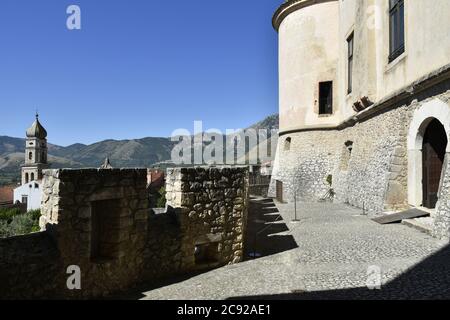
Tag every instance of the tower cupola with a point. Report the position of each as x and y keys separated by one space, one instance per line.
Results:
x=36 y=130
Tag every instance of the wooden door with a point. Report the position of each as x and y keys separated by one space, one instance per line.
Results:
x=433 y=153
x=279 y=191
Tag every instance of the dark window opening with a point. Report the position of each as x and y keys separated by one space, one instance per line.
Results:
x=350 y=44
x=206 y=253
x=397 y=28
x=24 y=199
x=105 y=221
x=326 y=97
x=32 y=176
x=27 y=177
x=287 y=144
x=30 y=156
x=346 y=155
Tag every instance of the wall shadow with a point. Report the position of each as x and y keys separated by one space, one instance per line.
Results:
x=428 y=280
x=264 y=225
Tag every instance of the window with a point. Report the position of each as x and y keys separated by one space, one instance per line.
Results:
x=27 y=177
x=287 y=144
x=397 y=28
x=350 y=44
x=24 y=199
x=346 y=155
x=32 y=176
x=326 y=97
x=206 y=253
x=30 y=156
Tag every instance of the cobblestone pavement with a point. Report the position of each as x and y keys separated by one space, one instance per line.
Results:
x=324 y=256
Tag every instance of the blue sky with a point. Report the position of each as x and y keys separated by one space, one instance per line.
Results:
x=137 y=68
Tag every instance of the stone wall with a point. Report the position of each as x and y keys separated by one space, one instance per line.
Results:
x=258 y=182
x=100 y=221
x=374 y=175
x=213 y=205
x=108 y=207
x=441 y=224
x=29 y=266
x=303 y=168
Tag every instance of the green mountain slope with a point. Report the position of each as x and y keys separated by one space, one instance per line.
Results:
x=124 y=153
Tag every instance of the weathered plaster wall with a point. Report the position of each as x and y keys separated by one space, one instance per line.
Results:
x=308 y=54
x=313 y=47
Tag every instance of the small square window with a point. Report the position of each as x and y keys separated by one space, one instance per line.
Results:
x=206 y=253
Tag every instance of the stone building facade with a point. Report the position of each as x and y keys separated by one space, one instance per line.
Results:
x=364 y=104
x=100 y=222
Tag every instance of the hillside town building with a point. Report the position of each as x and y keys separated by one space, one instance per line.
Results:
x=35 y=161
x=364 y=105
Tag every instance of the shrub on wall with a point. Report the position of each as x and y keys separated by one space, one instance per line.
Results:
x=13 y=223
x=161 y=202
x=7 y=215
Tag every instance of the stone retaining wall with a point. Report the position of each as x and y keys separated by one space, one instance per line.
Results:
x=29 y=266
x=213 y=203
x=100 y=221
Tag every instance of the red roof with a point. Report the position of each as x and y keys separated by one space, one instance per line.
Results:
x=155 y=178
x=7 y=194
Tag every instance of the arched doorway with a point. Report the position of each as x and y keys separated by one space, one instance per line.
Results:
x=433 y=154
x=430 y=112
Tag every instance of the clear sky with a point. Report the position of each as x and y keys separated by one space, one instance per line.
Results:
x=137 y=68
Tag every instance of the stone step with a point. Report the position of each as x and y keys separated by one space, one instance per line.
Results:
x=400 y=216
x=418 y=225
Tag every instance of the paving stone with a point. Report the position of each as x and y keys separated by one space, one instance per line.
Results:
x=336 y=246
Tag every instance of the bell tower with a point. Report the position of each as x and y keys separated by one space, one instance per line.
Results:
x=35 y=153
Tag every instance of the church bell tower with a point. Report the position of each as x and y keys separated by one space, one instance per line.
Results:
x=35 y=153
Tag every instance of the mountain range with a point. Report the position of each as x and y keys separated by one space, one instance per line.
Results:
x=145 y=152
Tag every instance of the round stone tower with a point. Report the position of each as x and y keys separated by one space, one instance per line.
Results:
x=308 y=107
x=308 y=59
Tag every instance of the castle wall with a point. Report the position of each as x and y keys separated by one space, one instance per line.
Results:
x=213 y=204
x=100 y=221
x=308 y=54
x=375 y=174
x=29 y=265
x=207 y=211
x=74 y=202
